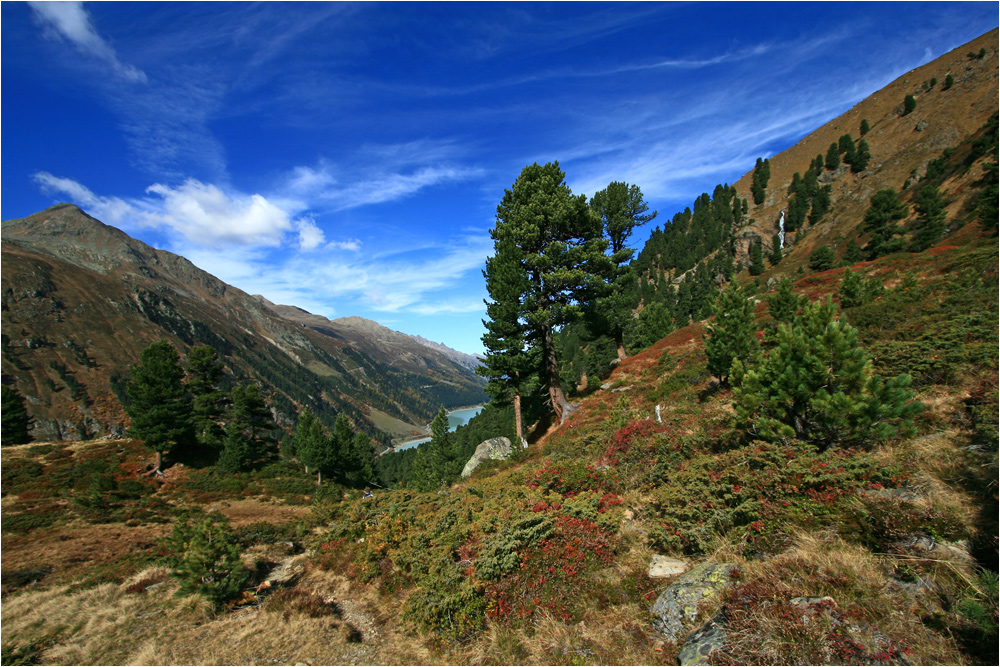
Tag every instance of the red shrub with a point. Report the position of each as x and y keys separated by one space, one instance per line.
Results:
x=626 y=437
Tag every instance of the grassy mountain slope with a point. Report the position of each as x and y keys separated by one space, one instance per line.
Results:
x=884 y=553
x=82 y=299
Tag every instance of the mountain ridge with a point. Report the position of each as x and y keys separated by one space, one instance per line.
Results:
x=81 y=299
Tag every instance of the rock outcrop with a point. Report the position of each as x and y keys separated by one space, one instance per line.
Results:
x=677 y=606
x=495 y=449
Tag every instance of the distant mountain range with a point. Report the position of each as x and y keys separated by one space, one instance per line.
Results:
x=376 y=340
x=81 y=300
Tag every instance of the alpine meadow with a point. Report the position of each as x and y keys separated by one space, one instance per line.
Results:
x=755 y=425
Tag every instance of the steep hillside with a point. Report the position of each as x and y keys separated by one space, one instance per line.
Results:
x=901 y=148
x=82 y=299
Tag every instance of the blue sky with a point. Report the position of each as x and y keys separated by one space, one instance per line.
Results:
x=348 y=158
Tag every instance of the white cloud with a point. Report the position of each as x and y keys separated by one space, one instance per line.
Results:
x=202 y=212
x=353 y=245
x=310 y=236
x=69 y=21
x=392 y=187
x=112 y=210
x=199 y=212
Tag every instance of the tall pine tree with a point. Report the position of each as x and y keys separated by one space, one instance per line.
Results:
x=159 y=405
x=558 y=241
x=509 y=363
x=930 y=224
x=621 y=209
x=205 y=370
x=249 y=433
x=15 y=419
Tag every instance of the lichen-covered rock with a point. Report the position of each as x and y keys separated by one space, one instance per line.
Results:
x=678 y=605
x=496 y=449
x=700 y=643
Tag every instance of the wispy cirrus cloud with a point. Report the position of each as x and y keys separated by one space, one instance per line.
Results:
x=71 y=22
x=333 y=279
x=377 y=174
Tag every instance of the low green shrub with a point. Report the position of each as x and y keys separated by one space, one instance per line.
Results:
x=205 y=558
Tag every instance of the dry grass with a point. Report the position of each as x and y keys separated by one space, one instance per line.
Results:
x=868 y=619
x=124 y=624
x=939 y=467
x=615 y=636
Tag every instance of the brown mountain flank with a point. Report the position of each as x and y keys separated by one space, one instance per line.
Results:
x=901 y=147
x=81 y=300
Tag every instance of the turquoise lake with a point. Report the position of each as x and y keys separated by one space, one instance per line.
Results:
x=455 y=419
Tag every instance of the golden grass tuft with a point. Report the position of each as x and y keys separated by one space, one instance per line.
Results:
x=612 y=636
x=868 y=613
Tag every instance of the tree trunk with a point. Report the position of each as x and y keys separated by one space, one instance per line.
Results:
x=159 y=463
x=559 y=403
x=518 y=428
x=319 y=478
x=620 y=344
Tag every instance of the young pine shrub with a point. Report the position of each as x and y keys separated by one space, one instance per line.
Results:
x=206 y=560
x=732 y=335
x=818 y=386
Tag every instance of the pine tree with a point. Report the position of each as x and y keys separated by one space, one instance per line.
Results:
x=732 y=334
x=761 y=175
x=861 y=158
x=15 y=418
x=852 y=254
x=822 y=258
x=509 y=362
x=342 y=438
x=235 y=455
x=883 y=212
x=949 y=81
x=159 y=405
x=315 y=450
x=832 y=157
x=756 y=258
x=784 y=304
x=930 y=223
x=821 y=200
x=621 y=209
x=988 y=209
x=655 y=321
x=206 y=559
x=856 y=291
x=558 y=241
x=439 y=451
x=362 y=460
x=682 y=309
x=851 y=290
x=846 y=144
x=249 y=438
x=909 y=104
x=208 y=402
x=818 y=386
x=776 y=254
x=865 y=127
x=818 y=164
